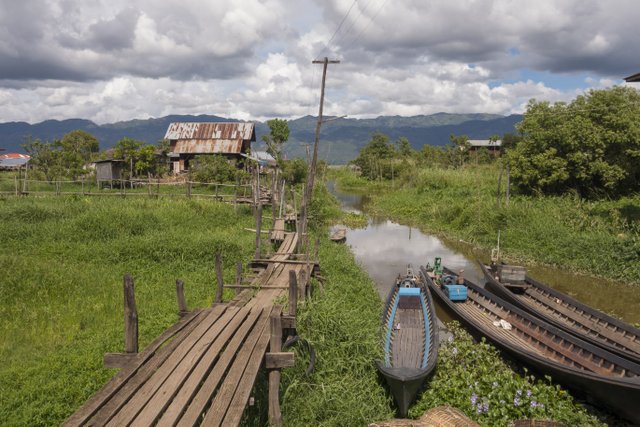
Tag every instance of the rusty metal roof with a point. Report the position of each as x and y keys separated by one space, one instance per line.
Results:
x=217 y=131
x=207 y=146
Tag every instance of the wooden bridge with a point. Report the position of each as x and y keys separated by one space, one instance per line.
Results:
x=201 y=370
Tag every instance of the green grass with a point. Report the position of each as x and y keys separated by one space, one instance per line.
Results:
x=63 y=260
x=598 y=237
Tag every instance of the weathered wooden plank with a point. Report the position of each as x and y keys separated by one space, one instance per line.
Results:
x=119 y=360
x=136 y=403
x=277 y=360
x=204 y=395
x=218 y=409
x=218 y=263
x=199 y=359
x=200 y=375
x=98 y=400
x=241 y=396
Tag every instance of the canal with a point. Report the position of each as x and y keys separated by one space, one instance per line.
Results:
x=385 y=249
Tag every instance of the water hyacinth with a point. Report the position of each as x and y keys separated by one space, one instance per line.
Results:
x=529 y=393
x=516 y=401
x=474 y=398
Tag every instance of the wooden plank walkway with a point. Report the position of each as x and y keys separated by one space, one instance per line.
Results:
x=200 y=371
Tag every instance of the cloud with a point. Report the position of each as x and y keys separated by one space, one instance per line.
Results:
x=251 y=59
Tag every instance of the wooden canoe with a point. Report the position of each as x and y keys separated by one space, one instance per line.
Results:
x=606 y=378
x=410 y=340
x=569 y=314
x=339 y=236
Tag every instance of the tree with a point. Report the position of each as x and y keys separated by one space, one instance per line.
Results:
x=403 y=146
x=294 y=171
x=591 y=145
x=374 y=157
x=277 y=137
x=461 y=144
x=127 y=150
x=44 y=158
x=76 y=149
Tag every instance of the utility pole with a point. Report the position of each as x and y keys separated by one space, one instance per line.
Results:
x=312 y=169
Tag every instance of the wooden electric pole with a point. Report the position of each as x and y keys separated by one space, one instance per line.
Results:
x=312 y=169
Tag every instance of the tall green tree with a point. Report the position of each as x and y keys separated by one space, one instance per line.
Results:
x=375 y=158
x=76 y=149
x=591 y=145
x=279 y=134
x=461 y=145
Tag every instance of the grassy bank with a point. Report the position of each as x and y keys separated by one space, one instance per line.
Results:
x=63 y=260
x=598 y=237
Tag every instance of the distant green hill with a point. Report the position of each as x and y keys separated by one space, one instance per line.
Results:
x=341 y=139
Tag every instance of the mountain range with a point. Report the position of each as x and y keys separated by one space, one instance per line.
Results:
x=341 y=138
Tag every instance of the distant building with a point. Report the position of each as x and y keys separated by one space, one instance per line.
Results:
x=263 y=158
x=187 y=140
x=13 y=160
x=108 y=171
x=492 y=146
x=633 y=79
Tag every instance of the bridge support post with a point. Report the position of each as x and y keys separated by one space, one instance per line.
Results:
x=275 y=346
x=130 y=317
x=182 y=303
x=218 y=297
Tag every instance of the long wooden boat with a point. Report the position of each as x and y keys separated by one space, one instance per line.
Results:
x=410 y=340
x=605 y=378
x=568 y=314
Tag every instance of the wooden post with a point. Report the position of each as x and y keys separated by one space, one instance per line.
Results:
x=15 y=180
x=130 y=317
x=283 y=195
x=506 y=200
x=238 y=276
x=218 y=297
x=182 y=303
x=293 y=293
x=302 y=284
x=275 y=346
x=258 y=226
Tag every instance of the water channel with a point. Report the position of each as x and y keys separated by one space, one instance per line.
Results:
x=384 y=248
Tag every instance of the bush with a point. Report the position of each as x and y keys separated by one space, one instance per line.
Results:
x=213 y=168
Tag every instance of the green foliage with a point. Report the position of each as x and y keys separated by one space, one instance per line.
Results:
x=591 y=145
x=403 y=147
x=294 y=171
x=279 y=134
x=62 y=300
x=64 y=158
x=213 y=168
x=461 y=148
x=472 y=377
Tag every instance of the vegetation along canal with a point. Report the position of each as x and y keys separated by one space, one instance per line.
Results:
x=384 y=248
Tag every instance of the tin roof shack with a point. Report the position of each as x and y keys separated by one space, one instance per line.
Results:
x=108 y=171
x=187 y=140
x=13 y=160
x=492 y=146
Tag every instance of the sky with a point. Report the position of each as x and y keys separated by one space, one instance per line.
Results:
x=115 y=60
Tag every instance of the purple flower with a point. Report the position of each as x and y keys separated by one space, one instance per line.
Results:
x=516 y=401
x=454 y=351
x=534 y=403
x=485 y=407
x=529 y=393
x=479 y=408
x=450 y=338
x=474 y=398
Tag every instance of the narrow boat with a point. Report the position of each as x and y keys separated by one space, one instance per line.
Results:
x=605 y=378
x=564 y=312
x=410 y=339
x=339 y=236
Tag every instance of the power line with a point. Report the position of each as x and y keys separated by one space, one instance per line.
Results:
x=344 y=18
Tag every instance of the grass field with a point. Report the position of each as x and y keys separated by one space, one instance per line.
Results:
x=63 y=259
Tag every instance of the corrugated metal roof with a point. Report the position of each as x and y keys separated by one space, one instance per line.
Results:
x=216 y=131
x=635 y=78
x=207 y=146
x=10 y=160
